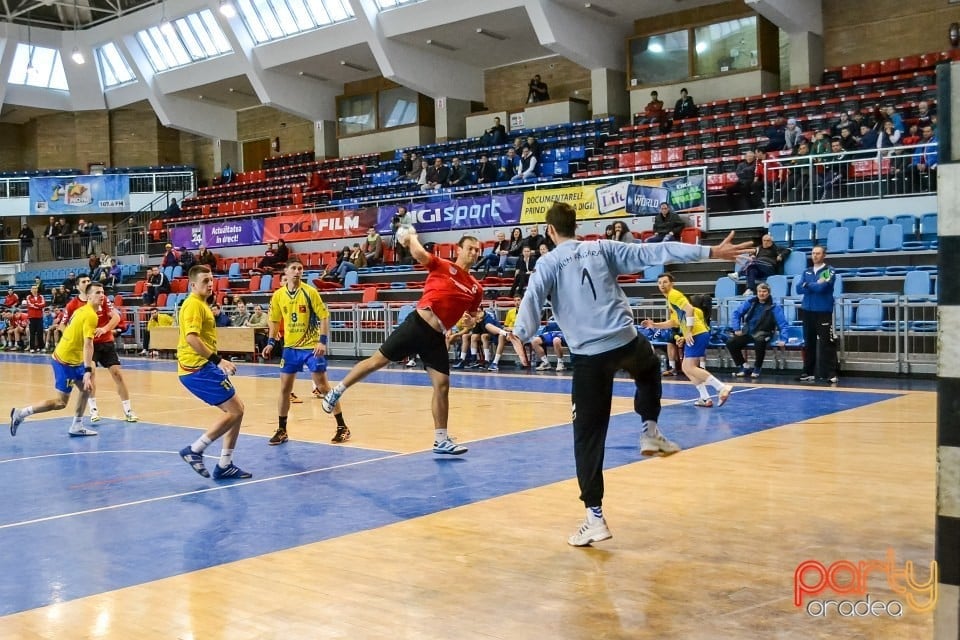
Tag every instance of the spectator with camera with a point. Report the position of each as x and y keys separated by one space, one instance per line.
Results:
x=537 y=90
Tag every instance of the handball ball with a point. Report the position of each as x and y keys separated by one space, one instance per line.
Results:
x=402 y=234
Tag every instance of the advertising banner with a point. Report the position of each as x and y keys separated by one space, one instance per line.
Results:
x=682 y=194
x=457 y=214
x=536 y=203
x=73 y=195
x=324 y=225
x=229 y=233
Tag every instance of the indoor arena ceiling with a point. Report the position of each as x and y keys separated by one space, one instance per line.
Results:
x=68 y=14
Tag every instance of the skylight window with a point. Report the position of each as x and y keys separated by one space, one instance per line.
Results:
x=114 y=70
x=38 y=67
x=390 y=4
x=186 y=40
x=269 y=20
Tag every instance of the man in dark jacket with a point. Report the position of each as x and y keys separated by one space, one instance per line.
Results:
x=757 y=321
x=667 y=226
x=766 y=261
x=745 y=193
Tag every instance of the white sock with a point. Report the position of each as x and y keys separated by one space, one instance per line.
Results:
x=202 y=443
x=650 y=428
x=486 y=354
x=716 y=384
x=673 y=364
x=545 y=360
x=340 y=388
x=439 y=435
x=126 y=406
x=702 y=390
x=496 y=359
x=92 y=405
x=27 y=411
x=226 y=458
x=594 y=514
x=77 y=423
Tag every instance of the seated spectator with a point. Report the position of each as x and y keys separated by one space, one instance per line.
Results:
x=227 y=176
x=12 y=300
x=404 y=165
x=401 y=254
x=58 y=297
x=416 y=167
x=833 y=171
x=437 y=176
x=766 y=261
x=889 y=136
x=497 y=134
x=622 y=233
x=550 y=334
x=172 y=210
x=316 y=182
x=925 y=115
x=497 y=256
x=170 y=257
x=521 y=277
x=792 y=135
x=421 y=177
x=844 y=121
x=509 y=164
x=543 y=249
x=187 y=260
x=756 y=321
x=516 y=243
x=654 y=112
x=486 y=171
x=821 y=143
x=239 y=316
x=219 y=317
x=345 y=263
x=51 y=330
x=529 y=167
x=157 y=283
x=38 y=283
x=373 y=247
x=115 y=275
x=776 y=135
x=667 y=225
x=206 y=257
x=847 y=141
x=745 y=193
x=608 y=232
x=257 y=320
x=797 y=185
x=685 y=107
x=769 y=173
x=281 y=255
x=923 y=166
x=459 y=174
x=534 y=146
x=869 y=138
x=93 y=265
x=156 y=319
x=533 y=239
x=70 y=284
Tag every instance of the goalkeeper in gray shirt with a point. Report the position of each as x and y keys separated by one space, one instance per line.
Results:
x=580 y=278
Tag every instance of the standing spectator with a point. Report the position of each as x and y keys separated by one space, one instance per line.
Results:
x=685 y=107
x=402 y=218
x=622 y=233
x=227 y=176
x=595 y=317
x=537 y=90
x=667 y=225
x=87 y=233
x=51 y=333
x=766 y=261
x=820 y=349
x=756 y=321
x=797 y=185
x=486 y=171
x=529 y=168
x=64 y=236
x=373 y=247
x=157 y=283
x=459 y=175
x=50 y=232
x=534 y=146
x=35 y=305
x=776 y=135
x=26 y=242
x=745 y=190
x=924 y=164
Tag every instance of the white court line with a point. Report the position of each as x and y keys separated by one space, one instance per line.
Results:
x=232 y=485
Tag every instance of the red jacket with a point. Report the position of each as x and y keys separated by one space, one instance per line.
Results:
x=35 y=305
x=11 y=300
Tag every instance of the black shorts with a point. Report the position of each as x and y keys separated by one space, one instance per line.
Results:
x=415 y=336
x=105 y=354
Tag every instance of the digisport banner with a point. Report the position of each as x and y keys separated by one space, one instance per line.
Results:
x=322 y=225
x=458 y=214
x=79 y=194
x=230 y=233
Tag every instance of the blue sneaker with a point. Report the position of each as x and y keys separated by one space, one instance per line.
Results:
x=329 y=401
x=458 y=364
x=233 y=472
x=15 y=420
x=493 y=367
x=450 y=447
x=195 y=460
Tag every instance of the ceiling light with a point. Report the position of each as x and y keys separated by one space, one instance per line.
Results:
x=353 y=65
x=490 y=34
x=166 y=28
x=655 y=47
x=598 y=9
x=441 y=45
x=77 y=56
x=312 y=76
x=227 y=10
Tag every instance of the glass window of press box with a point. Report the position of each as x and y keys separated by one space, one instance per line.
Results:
x=356 y=114
x=725 y=46
x=398 y=107
x=659 y=59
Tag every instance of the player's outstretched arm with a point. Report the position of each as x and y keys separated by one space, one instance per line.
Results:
x=728 y=250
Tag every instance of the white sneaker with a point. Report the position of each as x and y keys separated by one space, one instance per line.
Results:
x=94 y=416
x=543 y=366
x=412 y=362
x=81 y=431
x=657 y=445
x=590 y=533
x=733 y=275
x=560 y=366
x=130 y=416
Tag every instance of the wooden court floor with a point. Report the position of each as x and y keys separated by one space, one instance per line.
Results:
x=705 y=543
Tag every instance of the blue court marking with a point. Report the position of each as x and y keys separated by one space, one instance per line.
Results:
x=140 y=514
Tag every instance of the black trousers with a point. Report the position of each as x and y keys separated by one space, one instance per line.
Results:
x=36 y=333
x=592 y=396
x=736 y=344
x=820 y=345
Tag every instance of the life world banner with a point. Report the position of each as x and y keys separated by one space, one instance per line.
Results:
x=458 y=214
x=74 y=195
x=230 y=233
x=323 y=225
x=684 y=194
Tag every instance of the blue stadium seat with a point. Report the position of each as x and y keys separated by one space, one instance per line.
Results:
x=266 y=284
x=891 y=238
x=823 y=228
x=878 y=222
x=778 y=286
x=916 y=286
x=724 y=288
x=852 y=223
x=168 y=271
x=909 y=224
x=351 y=278
x=838 y=240
x=795 y=263
x=864 y=239
x=794 y=339
x=869 y=315
x=802 y=235
x=780 y=232
x=234 y=270
x=928 y=227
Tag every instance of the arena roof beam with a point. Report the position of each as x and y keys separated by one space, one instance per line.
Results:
x=593 y=43
x=793 y=16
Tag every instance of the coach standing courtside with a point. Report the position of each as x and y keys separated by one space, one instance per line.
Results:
x=580 y=278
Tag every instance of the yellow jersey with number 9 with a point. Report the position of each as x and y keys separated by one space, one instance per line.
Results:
x=301 y=312
x=195 y=317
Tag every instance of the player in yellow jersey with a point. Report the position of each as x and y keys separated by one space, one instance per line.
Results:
x=72 y=365
x=695 y=336
x=205 y=374
x=306 y=330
